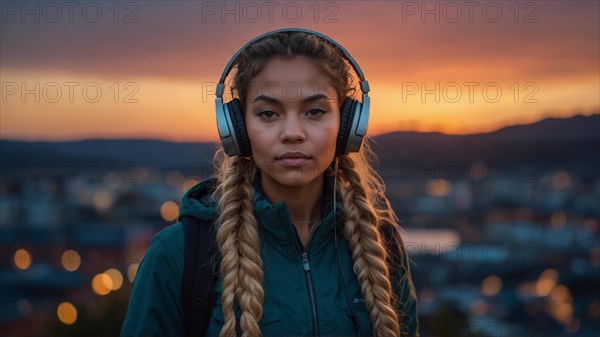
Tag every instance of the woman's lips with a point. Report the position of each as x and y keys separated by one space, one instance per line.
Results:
x=291 y=162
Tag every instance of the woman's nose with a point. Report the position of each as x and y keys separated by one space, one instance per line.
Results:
x=292 y=129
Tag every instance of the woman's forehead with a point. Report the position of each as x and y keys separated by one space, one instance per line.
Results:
x=289 y=78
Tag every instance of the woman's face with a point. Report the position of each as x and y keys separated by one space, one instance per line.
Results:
x=292 y=117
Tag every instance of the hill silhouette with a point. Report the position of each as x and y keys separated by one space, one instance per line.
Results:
x=553 y=142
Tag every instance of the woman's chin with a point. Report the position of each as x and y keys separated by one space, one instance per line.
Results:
x=295 y=176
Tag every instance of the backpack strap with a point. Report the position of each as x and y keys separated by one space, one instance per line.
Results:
x=199 y=276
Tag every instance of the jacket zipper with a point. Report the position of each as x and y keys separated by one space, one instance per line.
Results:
x=311 y=292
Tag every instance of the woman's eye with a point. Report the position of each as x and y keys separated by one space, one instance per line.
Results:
x=316 y=112
x=267 y=113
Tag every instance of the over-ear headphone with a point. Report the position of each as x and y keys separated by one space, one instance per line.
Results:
x=354 y=115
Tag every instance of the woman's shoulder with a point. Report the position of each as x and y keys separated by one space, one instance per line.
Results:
x=172 y=234
x=154 y=305
x=168 y=245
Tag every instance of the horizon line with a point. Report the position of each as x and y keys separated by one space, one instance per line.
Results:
x=130 y=138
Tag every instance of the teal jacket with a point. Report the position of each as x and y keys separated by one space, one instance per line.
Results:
x=304 y=292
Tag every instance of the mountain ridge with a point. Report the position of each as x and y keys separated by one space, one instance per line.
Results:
x=553 y=141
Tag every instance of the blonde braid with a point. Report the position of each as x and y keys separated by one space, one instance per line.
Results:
x=368 y=250
x=239 y=245
x=250 y=293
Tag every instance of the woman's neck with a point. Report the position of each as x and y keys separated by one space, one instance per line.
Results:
x=303 y=202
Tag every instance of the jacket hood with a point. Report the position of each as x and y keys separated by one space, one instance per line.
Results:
x=198 y=201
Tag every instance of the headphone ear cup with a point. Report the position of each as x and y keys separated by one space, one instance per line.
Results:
x=347 y=113
x=239 y=125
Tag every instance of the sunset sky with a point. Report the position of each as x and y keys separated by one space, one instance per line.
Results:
x=490 y=64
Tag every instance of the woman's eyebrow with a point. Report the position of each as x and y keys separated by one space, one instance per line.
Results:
x=276 y=101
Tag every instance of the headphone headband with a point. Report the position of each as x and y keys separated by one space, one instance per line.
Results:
x=364 y=85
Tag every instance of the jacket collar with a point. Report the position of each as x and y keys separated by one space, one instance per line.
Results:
x=277 y=224
x=275 y=221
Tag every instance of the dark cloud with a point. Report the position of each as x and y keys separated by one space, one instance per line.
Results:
x=181 y=41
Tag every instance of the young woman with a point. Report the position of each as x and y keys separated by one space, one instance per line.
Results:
x=299 y=213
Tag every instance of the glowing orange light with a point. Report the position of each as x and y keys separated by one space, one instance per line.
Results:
x=169 y=211
x=561 y=180
x=101 y=284
x=546 y=282
x=558 y=220
x=71 y=260
x=438 y=187
x=116 y=278
x=66 y=313
x=22 y=259
x=560 y=293
x=491 y=285
x=479 y=307
x=103 y=200
x=563 y=312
